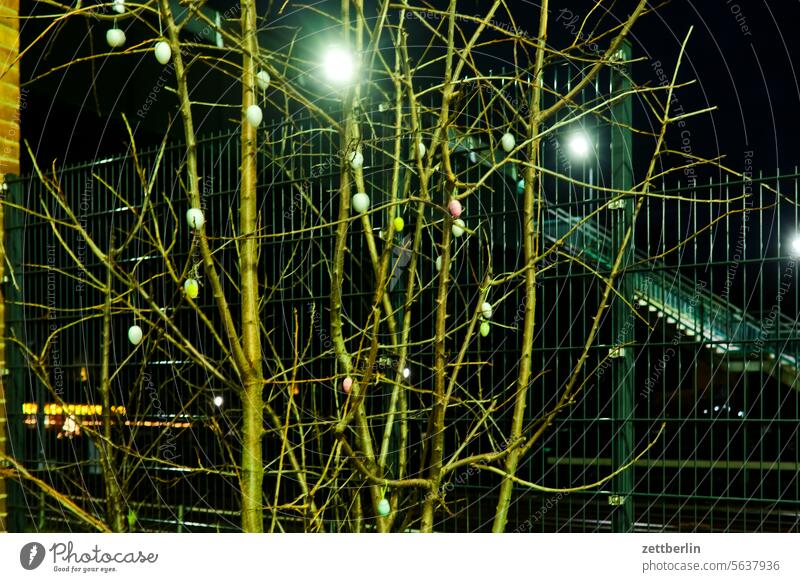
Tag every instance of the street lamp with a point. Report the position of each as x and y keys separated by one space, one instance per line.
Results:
x=338 y=65
x=579 y=145
x=795 y=244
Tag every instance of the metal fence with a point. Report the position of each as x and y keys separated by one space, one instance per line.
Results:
x=710 y=347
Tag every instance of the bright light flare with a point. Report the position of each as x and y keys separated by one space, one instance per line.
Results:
x=339 y=65
x=579 y=145
x=795 y=244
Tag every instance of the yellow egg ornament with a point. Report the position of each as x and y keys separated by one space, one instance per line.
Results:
x=192 y=288
x=399 y=224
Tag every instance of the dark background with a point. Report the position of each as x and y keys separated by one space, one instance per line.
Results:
x=747 y=73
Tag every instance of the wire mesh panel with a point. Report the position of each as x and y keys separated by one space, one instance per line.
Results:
x=665 y=339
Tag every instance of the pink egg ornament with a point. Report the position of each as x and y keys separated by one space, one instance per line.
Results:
x=347 y=384
x=455 y=208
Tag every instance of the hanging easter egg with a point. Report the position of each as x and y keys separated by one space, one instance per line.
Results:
x=254 y=115
x=347 y=384
x=486 y=310
x=356 y=159
x=473 y=157
x=118 y=6
x=195 y=218
x=135 y=335
x=455 y=208
x=439 y=263
x=421 y=150
x=262 y=80
x=485 y=328
x=360 y=202
x=163 y=52
x=508 y=142
x=192 y=288
x=399 y=224
x=384 y=508
x=458 y=228
x=115 y=37
x=520 y=185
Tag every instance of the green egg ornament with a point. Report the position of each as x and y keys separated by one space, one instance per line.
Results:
x=384 y=508
x=485 y=328
x=399 y=224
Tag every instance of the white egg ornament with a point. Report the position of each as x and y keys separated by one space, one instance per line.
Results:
x=119 y=6
x=384 y=508
x=195 y=218
x=115 y=37
x=192 y=288
x=439 y=264
x=163 y=52
x=356 y=160
x=508 y=142
x=254 y=115
x=262 y=80
x=135 y=335
x=421 y=150
x=458 y=228
x=361 y=202
x=486 y=310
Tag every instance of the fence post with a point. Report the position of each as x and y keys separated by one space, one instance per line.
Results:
x=13 y=368
x=622 y=319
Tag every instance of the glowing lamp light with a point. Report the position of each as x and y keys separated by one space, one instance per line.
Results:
x=579 y=145
x=485 y=328
x=218 y=401
x=135 y=335
x=486 y=310
x=115 y=37
x=262 y=80
x=163 y=52
x=455 y=208
x=338 y=65
x=796 y=245
x=254 y=115
x=361 y=202
x=458 y=228
x=384 y=508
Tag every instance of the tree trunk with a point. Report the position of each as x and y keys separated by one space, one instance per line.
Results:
x=252 y=402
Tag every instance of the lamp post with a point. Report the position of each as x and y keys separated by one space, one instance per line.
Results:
x=622 y=518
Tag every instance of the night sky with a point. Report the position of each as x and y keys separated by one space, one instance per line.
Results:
x=740 y=54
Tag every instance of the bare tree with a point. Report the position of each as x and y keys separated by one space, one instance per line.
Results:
x=356 y=467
